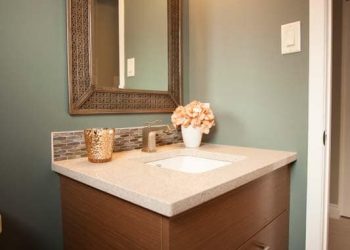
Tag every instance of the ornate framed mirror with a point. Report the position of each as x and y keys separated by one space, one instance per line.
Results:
x=124 y=56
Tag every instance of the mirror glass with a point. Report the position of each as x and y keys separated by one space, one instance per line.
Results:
x=129 y=44
x=105 y=43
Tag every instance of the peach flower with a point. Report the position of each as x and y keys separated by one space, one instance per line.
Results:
x=195 y=114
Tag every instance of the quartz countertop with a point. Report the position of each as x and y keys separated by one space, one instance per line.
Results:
x=169 y=192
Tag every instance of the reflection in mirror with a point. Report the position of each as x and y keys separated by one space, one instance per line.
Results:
x=105 y=43
x=130 y=44
x=146 y=43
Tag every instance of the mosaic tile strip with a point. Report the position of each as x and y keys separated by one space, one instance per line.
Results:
x=71 y=145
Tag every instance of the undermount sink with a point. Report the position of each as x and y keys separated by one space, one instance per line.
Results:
x=189 y=164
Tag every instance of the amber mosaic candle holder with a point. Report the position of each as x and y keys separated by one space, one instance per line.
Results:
x=99 y=144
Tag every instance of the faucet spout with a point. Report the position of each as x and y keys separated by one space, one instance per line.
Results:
x=149 y=135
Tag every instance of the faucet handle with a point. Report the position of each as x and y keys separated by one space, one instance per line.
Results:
x=156 y=122
x=171 y=127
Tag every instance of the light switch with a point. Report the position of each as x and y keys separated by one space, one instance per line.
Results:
x=291 y=38
x=130 y=67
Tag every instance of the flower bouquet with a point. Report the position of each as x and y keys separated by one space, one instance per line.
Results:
x=195 y=119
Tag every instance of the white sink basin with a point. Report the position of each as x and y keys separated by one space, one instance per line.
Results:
x=189 y=164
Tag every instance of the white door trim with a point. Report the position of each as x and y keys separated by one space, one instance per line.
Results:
x=320 y=56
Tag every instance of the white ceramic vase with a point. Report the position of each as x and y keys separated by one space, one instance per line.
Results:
x=192 y=136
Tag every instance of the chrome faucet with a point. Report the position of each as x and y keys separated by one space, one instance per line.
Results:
x=149 y=134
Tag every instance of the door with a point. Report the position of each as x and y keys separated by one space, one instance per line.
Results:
x=318 y=166
x=344 y=198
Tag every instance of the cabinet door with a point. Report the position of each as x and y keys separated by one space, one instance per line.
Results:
x=94 y=220
x=273 y=237
x=230 y=220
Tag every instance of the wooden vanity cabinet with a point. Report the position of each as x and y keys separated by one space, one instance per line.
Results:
x=273 y=236
x=252 y=216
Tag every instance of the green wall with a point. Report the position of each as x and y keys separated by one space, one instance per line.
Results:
x=232 y=60
x=33 y=102
x=258 y=95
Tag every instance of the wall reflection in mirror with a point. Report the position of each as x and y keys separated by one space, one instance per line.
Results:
x=129 y=44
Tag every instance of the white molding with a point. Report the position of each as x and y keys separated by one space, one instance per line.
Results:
x=121 y=8
x=319 y=121
x=334 y=212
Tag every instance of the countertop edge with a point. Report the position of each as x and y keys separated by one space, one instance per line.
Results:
x=217 y=191
x=164 y=208
x=151 y=204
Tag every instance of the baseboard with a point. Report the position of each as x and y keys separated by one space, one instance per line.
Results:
x=334 y=212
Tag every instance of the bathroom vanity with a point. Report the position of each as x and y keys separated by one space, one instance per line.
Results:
x=141 y=201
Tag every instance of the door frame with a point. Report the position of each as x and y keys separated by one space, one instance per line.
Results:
x=320 y=59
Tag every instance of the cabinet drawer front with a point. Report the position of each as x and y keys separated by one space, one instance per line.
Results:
x=232 y=219
x=272 y=237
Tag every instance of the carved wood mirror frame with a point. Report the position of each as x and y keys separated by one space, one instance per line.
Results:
x=85 y=98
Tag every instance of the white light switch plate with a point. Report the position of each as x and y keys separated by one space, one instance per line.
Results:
x=130 y=67
x=291 y=38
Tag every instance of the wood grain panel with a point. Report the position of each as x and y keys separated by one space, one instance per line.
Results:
x=230 y=220
x=274 y=236
x=93 y=219
x=96 y=220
